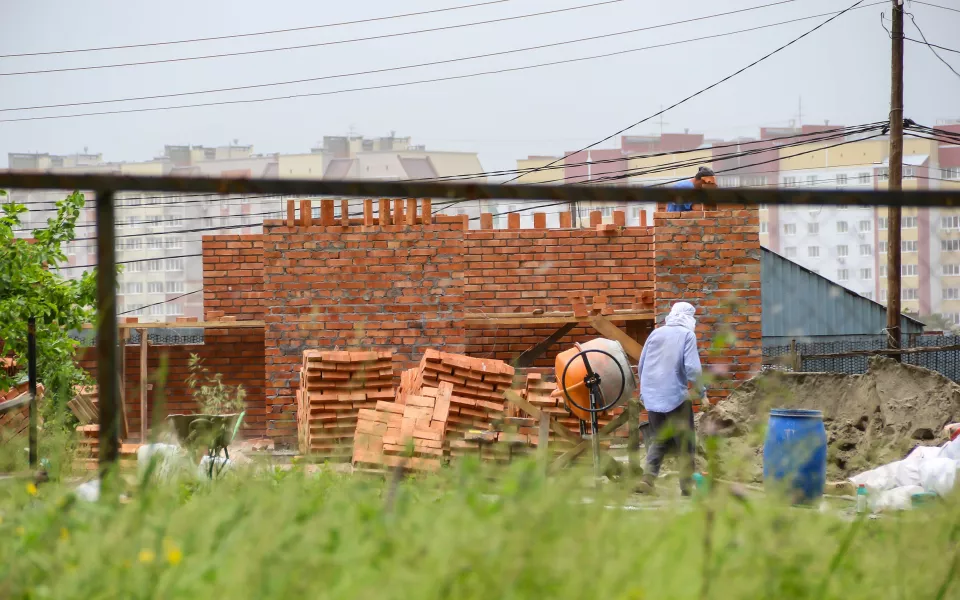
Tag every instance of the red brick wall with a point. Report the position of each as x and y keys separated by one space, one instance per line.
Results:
x=233 y=276
x=522 y=270
x=712 y=260
x=238 y=354
x=396 y=287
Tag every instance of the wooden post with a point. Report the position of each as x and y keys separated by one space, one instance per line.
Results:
x=543 y=439
x=143 y=386
x=895 y=178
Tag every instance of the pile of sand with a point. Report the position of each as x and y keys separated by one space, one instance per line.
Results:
x=871 y=419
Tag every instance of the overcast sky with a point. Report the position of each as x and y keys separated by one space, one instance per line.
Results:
x=841 y=72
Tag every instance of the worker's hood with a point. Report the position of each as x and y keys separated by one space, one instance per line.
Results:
x=681 y=315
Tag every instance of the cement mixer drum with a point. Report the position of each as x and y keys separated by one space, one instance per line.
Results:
x=604 y=366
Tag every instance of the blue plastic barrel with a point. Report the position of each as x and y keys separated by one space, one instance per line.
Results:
x=795 y=453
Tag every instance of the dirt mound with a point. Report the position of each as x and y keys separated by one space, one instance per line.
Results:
x=871 y=419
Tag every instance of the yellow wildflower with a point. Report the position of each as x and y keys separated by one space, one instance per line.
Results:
x=64 y=534
x=21 y=531
x=174 y=554
x=146 y=556
x=32 y=489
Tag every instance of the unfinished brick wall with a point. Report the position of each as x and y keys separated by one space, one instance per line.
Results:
x=238 y=354
x=233 y=276
x=712 y=260
x=523 y=270
x=357 y=285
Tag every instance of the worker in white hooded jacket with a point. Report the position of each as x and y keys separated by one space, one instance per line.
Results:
x=670 y=361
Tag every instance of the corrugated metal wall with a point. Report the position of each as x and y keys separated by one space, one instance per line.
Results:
x=799 y=303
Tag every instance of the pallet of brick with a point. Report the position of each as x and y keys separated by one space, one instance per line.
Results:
x=478 y=387
x=410 y=435
x=334 y=387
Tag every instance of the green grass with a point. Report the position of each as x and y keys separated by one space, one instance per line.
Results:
x=457 y=535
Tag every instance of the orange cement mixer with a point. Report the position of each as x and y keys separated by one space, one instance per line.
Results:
x=608 y=362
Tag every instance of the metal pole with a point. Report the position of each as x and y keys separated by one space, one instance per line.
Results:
x=895 y=176
x=107 y=376
x=32 y=375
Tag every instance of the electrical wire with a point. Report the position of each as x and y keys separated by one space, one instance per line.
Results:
x=936 y=5
x=706 y=89
x=930 y=46
x=161 y=302
x=253 y=34
x=399 y=68
x=314 y=45
x=441 y=79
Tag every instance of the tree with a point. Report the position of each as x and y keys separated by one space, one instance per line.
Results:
x=30 y=286
x=934 y=322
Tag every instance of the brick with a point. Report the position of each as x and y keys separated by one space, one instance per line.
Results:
x=306 y=213
x=486 y=220
x=513 y=221
x=291 y=213
x=539 y=220
x=566 y=220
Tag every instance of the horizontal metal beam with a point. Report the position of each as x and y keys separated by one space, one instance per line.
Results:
x=426 y=189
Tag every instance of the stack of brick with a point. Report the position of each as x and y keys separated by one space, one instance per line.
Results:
x=334 y=387
x=478 y=387
x=88 y=446
x=15 y=418
x=409 y=434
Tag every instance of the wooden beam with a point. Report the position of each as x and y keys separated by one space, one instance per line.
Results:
x=143 y=384
x=528 y=356
x=632 y=347
x=190 y=325
x=577 y=450
x=124 y=422
x=535 y=412
x=548 y=318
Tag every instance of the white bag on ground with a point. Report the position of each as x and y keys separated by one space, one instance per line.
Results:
x=170 y=459
x=938 y=475
x=900 y=498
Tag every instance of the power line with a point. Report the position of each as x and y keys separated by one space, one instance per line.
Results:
x=709 y=87
x=929 y=45
x=253 y=34
x=436 y=80
x=399 y=68
x=162 y=302
x=315 y=45
x=936 y=6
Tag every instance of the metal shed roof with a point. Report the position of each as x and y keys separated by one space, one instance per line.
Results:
x=799 y=303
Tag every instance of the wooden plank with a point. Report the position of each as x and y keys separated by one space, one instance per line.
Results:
x=543 y=439
x=632 y=347
x=547 y=318
x=577 y=450
x=528 y=356
x=189 y=325
x=534 y=412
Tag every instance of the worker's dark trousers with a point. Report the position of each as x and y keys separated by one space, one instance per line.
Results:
x=672 y=431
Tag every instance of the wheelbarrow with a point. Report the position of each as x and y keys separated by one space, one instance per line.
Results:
x=214 y=433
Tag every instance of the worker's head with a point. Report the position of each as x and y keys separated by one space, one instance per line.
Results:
x=682 y=315
x=705 y=179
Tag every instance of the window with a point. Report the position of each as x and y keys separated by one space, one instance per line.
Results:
x=134 y=267
x=841 y=179
x=763 y=226
x=755 y=181
x=909 y=172
x=909 y=294
x=908 y=246
x=174 y=264
x=174 y=308
x=883 y=295
x=635 y=214
x=866 y=250
x=155 y=287
x=868 y=295
x=813 y=251
x=315 y=212
x=174 y=287
x=155 y=243
x=790 y=251
x=173 y=243
x=789 y=181
x=154 y=265
x=843 y=274
x=842 y=227
x=883 y=174
x=951 y=222
x=156 y=309
x=133 y=287
x=174 y=221
x=864 y=178
x=883 y=222
x=247 y=219
x=811 y=180
x=813 y=228
x=908 y=223
x=951 y=269
x=866 y=225
x=951 y=173
x=154 y=221
x=132 y=222
x=132 y=244
x=908 y=270
x=866 y=274
x=950 y=245
x=208 y=221
x=883 y=247
x=790 y=229
x=883 y=271
x=951 y=293
x=843 y=250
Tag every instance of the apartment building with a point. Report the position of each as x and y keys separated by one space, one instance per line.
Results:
x=159 y=235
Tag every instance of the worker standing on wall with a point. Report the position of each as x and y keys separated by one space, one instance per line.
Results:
x=668 y=363
x=704 y=179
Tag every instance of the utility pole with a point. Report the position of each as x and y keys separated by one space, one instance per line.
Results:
x=895 y=176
